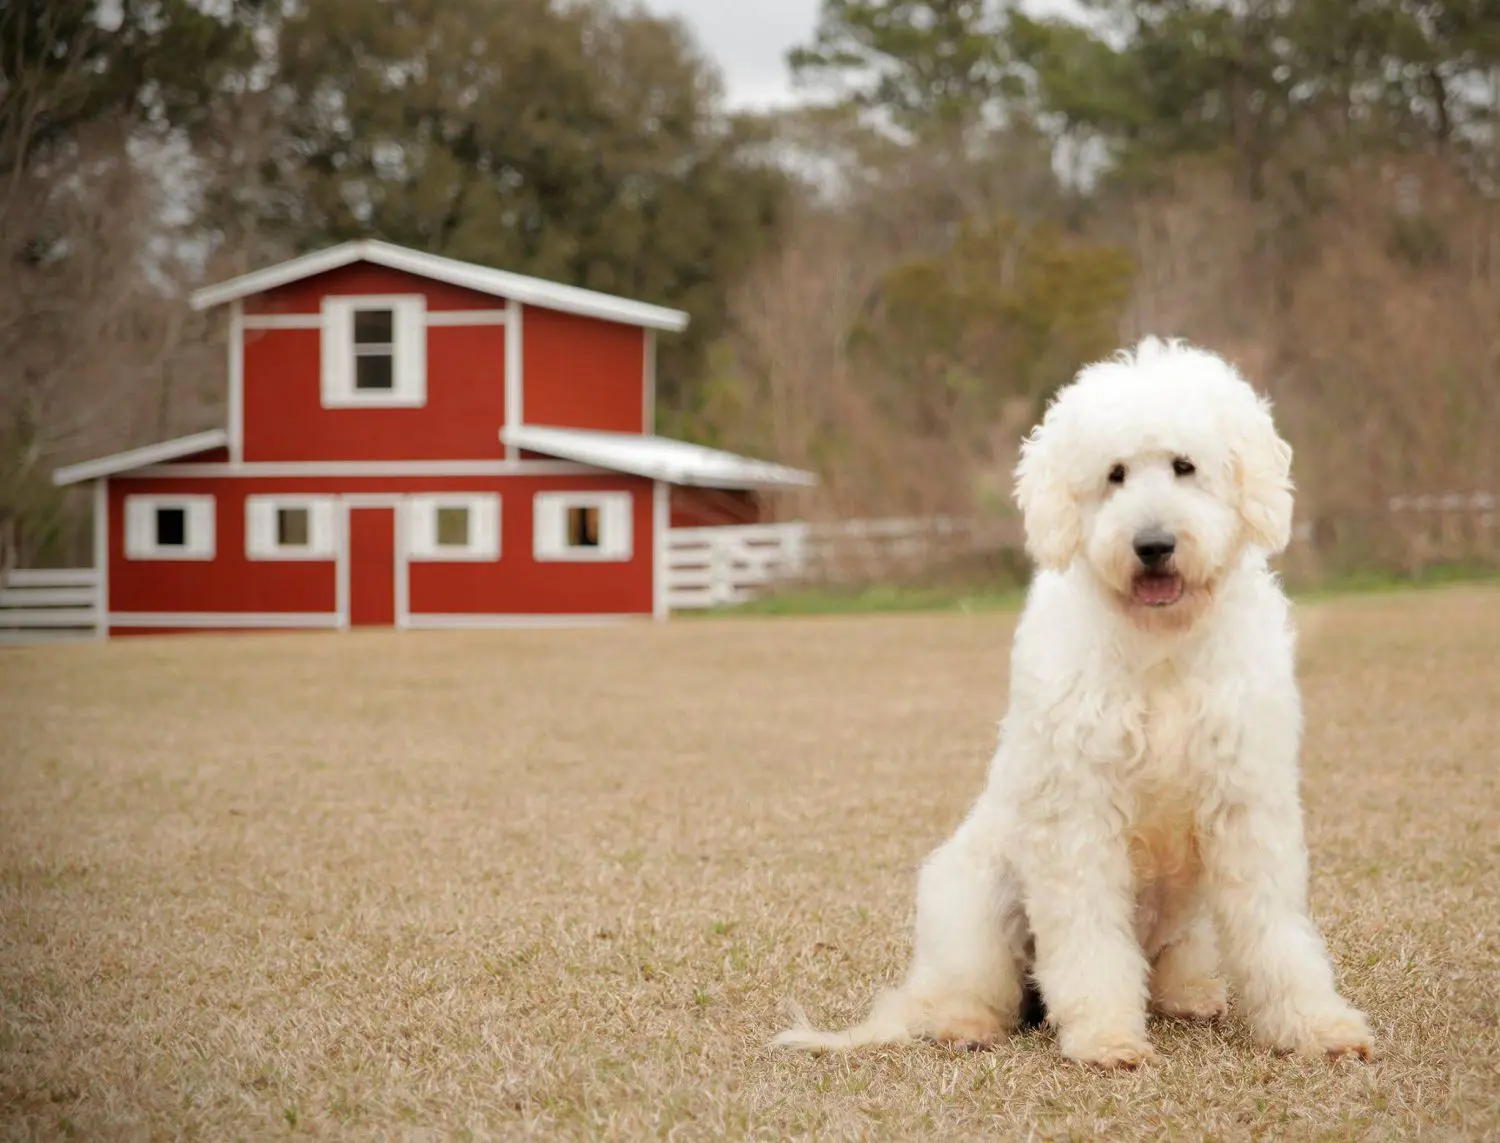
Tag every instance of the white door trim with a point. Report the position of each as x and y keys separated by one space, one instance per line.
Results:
x=661 y=524
x=101 y=557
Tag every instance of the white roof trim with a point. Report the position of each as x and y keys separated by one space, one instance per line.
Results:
x=657 y=458
x=499 y=283
x=140 y=457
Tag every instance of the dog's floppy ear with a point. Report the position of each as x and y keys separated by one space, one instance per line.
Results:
x=1054 y=525
x=1263 y=473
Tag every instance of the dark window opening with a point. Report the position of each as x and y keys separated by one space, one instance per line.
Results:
x=293 y=527
x=374 y=373
x=374 y=350
x=374 y=327
x=583 y=527
x=171 y=527
x=453 y=527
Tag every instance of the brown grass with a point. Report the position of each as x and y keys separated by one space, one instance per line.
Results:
x=561 y=884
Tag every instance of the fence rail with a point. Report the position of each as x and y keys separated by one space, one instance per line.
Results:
x=38 y=605
x=1444 y=502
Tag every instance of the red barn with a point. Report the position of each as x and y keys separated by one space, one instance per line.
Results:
x=413 y=441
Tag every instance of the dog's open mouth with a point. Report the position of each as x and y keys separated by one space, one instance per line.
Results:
x=1156 y=589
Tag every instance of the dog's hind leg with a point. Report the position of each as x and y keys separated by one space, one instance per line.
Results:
x=1185 y=980
x=967 y=974
x=964 y=986
x=1089 y=961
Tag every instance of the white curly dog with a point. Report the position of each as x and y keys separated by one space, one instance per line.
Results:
x=1142 y=817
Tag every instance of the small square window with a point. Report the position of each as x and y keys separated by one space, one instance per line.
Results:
x=176 y=527
x=171 y=527
x=293 y=527
x=290 y=527
x=583 y=527
x=452 y=527
x=374 y=373
x=374 y=327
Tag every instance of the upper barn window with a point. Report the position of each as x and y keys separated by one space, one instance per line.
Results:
x=169 y=527
x=374 y=351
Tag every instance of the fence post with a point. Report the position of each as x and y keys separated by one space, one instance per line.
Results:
x=9 y=554
x=720 y=571
x=794 y=550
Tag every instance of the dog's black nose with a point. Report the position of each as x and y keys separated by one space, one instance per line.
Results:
x=1154 y=545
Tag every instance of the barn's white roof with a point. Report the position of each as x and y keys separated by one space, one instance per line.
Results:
x=484 y=279
x=141 y=457
x=659 y=458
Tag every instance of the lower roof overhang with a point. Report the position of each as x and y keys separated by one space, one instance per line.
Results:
x=657 y=458
x=176 y=449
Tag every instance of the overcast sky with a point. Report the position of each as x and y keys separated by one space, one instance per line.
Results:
x=749 y=40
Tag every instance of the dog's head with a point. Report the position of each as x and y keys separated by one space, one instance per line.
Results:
x=1158 y=468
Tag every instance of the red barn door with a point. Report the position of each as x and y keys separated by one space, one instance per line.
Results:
x=372 y=567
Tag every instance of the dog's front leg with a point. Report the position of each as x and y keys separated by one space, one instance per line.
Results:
x=1257 y=881
x=1080 y=902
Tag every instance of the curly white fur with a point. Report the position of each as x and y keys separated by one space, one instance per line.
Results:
x=1142 y=818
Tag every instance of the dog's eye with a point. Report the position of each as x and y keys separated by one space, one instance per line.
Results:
x=1182 y=466
x=1117 y=474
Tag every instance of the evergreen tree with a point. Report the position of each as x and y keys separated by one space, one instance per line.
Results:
x=934 y=66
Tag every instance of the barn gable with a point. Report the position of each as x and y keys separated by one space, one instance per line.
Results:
x=372 y=352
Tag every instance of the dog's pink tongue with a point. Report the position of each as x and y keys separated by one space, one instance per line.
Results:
x=1155 y=590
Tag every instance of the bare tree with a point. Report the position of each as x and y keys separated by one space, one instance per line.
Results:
x=97 y=349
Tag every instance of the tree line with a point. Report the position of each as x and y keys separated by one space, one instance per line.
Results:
x=885 y=281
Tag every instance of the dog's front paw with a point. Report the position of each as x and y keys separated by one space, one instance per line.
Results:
x=1109 y=1050
x=1203 y=998
x=1334 y=1032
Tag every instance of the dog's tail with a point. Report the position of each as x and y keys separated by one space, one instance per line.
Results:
x=893 y=1019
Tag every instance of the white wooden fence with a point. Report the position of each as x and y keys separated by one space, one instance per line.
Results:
x=712 y=567
x=39 y=605
x=1448 y=526
x=1482 y=502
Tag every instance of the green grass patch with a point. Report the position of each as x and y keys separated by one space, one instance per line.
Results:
x=895 y=598
x=871 y=599
x=1371 y=582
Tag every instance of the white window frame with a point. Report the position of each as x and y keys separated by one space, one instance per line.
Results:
x=260 y=528
x=484 y=527
x=199 y=524
x=408 y=352
x=550 y=527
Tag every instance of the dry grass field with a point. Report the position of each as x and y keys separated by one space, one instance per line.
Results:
x=561 y=884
